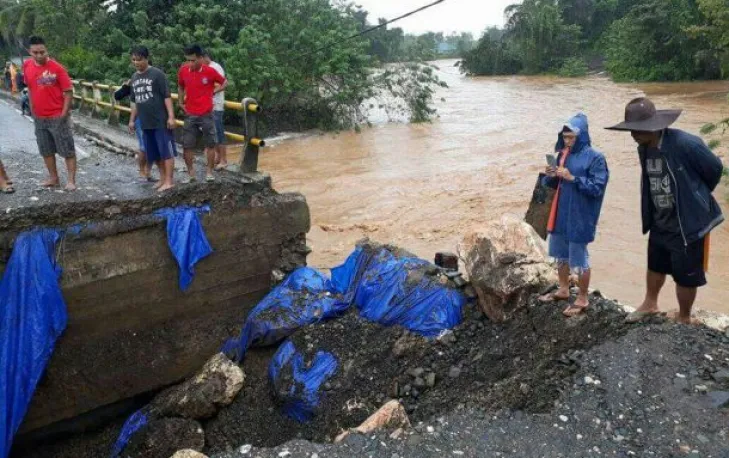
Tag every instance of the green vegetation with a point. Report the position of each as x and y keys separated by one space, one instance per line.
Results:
x=292 y=55
x=638 y=40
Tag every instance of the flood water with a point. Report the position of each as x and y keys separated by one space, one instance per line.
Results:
x=424 y=186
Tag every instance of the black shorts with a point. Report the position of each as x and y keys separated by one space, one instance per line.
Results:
x=684 y=263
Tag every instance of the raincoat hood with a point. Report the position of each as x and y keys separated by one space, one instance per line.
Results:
x=579 y=125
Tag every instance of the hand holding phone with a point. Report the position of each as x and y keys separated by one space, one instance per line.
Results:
x=551 y=169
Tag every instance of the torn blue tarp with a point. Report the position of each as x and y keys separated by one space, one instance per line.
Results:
x=302 y=299
x=398 y=290
x=186 y=238
x=296 y=383
x=134 y=423
x=32 y=317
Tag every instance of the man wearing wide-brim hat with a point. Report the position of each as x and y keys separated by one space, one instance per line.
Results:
x=679 y=173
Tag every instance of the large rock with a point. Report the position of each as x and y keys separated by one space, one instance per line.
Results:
x=506 y=262
x=201 y=396
x=162 y=438
x=390 y=416
x=188 y=454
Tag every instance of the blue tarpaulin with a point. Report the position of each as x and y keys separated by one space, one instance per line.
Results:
x=187 y=240
x=396 y=290
x=137 y=421
x=302 y=299
x=32 y=317
x=299 y=392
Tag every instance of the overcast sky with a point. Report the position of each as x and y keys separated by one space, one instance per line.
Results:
x=450 y=16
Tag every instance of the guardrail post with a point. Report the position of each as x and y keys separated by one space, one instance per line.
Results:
x=97 y=98
x=249 y=158
x=84 y=96
x=113 y=113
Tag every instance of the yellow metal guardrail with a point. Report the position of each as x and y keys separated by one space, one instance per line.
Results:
x=91 y=94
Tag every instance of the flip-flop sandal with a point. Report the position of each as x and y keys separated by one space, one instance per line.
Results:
x=637 y=317
x=9 y=189
x=573 y=311
x=210 y=179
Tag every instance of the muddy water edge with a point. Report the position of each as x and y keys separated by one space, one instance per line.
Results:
x=424 y=186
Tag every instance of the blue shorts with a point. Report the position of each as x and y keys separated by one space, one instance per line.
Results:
x=219 y=127
x=573 y=254
x=140 y=135
x=160 y=145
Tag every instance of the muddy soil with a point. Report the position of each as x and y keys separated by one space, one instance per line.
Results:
x=518 y=365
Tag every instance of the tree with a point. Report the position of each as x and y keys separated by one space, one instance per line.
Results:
x=652 y=42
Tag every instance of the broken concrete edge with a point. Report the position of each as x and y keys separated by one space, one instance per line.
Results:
x=392 y=415
x=96 y=218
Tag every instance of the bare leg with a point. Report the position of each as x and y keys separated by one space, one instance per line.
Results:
x=222 y=156
x=168 y=166
x=564 y=285
x=654 y=283
x=143 y=168
x=189 y=156
x=71 y=168
x=161 y=170
x=210 y=153
x=52 y=180
x=5 y=184
x=584 y=283
x=686 y=298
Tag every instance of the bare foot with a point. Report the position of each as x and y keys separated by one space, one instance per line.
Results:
x=581 y=302
x=71 y=187
x=159 y=184
x=648 y=308
x=165 y=187
x=678 y=318
x=221 y=166
x=50 y=183
x=559 y=295
x=574 y=310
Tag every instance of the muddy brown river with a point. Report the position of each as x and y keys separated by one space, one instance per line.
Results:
x=424 y=186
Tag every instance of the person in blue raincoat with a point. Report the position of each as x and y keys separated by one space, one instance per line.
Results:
x=581 y=177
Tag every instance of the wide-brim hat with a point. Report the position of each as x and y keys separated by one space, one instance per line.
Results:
x=641 y=115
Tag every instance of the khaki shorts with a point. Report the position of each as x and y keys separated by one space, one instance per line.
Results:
x=199 y=127
x=55 y=136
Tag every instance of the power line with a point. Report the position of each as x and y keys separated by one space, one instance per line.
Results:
x=379 y=26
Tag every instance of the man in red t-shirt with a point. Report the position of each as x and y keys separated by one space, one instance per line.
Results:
x=51 y=93
x=196 y=86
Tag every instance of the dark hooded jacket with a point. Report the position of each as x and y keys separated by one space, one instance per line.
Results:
x=580 y=201
x=695 y=172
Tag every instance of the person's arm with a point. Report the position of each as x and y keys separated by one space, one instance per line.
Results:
x=123 y=92
x=220 y=80
x=132 y=119
x=170 y=113
x=705 y=163
x=67 y=99
x=181 y=91
x=595 y=182
x=67 y=86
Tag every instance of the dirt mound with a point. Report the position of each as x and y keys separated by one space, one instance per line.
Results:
x=520 y=364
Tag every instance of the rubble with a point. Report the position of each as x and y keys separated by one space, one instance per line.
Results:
x=201 y=396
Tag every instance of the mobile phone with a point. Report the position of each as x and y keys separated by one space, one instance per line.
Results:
x=551 y=160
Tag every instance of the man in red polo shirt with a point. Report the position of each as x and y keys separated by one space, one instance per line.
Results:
x=196 y=86
x=51 y=92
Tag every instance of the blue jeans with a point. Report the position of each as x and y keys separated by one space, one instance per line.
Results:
x=573 y=254
x=219 y=127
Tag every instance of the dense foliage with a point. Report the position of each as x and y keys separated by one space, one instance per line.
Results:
x=292 y=55
x=646 y=40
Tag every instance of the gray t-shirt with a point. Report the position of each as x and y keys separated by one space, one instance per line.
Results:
x=149 y=91
x=665 y=219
